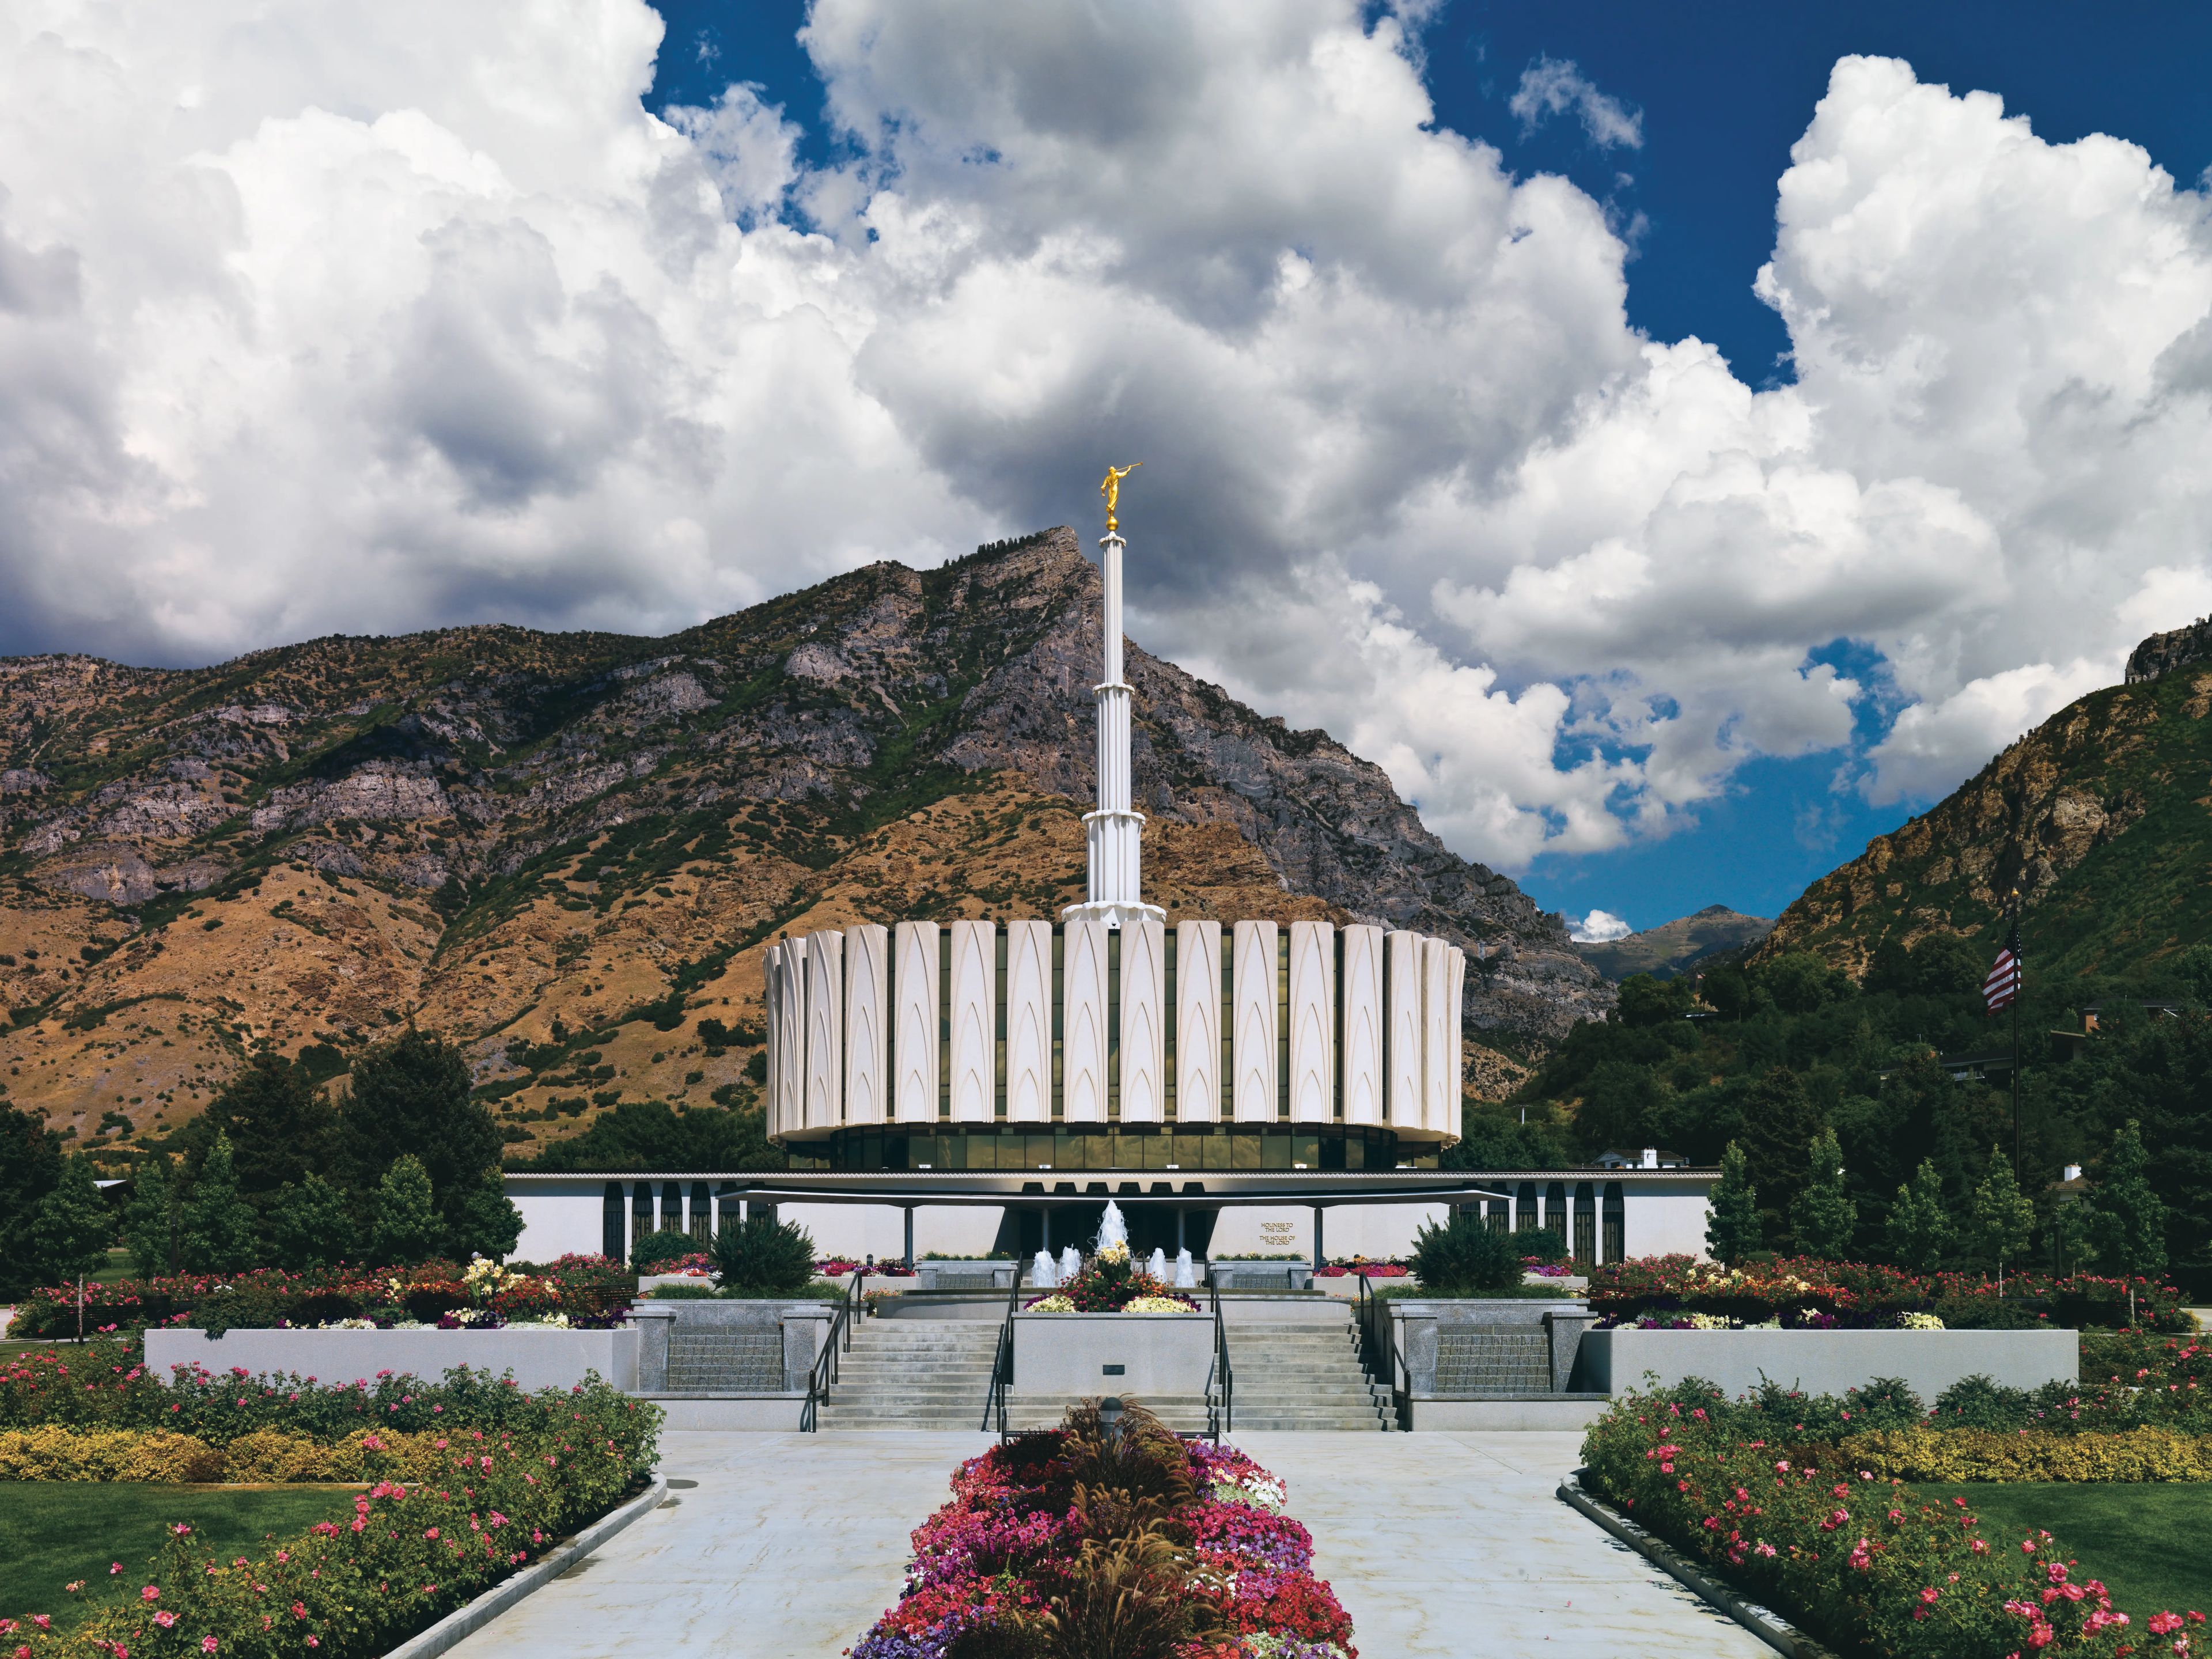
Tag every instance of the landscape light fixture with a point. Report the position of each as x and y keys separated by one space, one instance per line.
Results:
x=1109 y=1418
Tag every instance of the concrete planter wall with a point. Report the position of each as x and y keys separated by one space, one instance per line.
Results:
x=960 y=1276
x=1259 y=1275
x=1826 y=1362
x=802 y=1323
x=1069 y=1353
x=539 y=1358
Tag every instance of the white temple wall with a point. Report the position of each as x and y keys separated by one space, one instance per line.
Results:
x=1402 y=1049
x=825 y=1029
x=1198 y=1022
x=1083 y=1021
x=1252 y=1049
x=1028 y=1022
x=1313 y=1022
x=1143 y=1053
x=1361 y=1050
x=867 y=950
x=914 y=1047
x=974 y=1057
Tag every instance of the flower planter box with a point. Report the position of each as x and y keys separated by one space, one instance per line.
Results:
x=538 y=1356
x=1826 y=1362
x=1069 y=1353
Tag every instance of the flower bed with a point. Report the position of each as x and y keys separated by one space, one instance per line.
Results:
x=1359 y=1267
x=1072 y=1540
x=587 y=1291
x=483 y=1496
x=1807 y=1292
x=1813 y=1527
x=1111 y=1282
x=837 y=1267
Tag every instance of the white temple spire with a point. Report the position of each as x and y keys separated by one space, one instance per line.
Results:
x=1114 y=832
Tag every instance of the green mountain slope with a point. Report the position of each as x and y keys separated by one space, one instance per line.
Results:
x=1676 y=946
x=2101 y=818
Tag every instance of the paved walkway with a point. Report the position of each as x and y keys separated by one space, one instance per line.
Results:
x=791 y=1545
x=1453 y=1545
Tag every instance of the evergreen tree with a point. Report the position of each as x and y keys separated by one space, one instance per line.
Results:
x=1823 y=1214
x=486 y=1222
x=1732 y=1228
x=2001 y=1216
x=278 y=1126
x=2126 y=1220
x=30 y=1168
x=1779 y=1122
x=1919 y=1223
x=411 y=1098
x=74 y=1225
x=219 y=1225
x=151 y=1226
x=408 y=1230
x=218 y=1222
x=309 y=1225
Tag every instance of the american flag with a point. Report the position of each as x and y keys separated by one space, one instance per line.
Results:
x=2001 y=987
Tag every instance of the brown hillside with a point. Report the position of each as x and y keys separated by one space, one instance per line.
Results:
x=568 y=850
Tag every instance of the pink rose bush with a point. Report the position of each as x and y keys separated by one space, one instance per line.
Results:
x=537 y=1467
x=1859 y=1560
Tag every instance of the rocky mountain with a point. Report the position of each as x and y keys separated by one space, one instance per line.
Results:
x=571 y=850
x=1676 y=946
x=2101 y=818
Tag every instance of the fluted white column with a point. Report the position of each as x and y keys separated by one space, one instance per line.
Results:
x=1313 y=1022
x=1252 y=1037
x=866 y=1085
x=914 y=1024
x=1028 y=1022
x=1360 y=1050
x=1198 y=1022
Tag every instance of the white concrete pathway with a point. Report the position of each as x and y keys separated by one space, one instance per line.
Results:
x=791 y=1545
x=1453 y=1545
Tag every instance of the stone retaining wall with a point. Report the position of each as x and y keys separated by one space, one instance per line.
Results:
x=539 y=1358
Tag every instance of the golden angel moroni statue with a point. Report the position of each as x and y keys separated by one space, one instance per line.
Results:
x=1110 y=488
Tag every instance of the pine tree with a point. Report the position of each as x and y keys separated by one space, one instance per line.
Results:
x=150 y=1223
x=2001 y=1216
x=1919 y=1224
x=2127 y=1221
x=407 y=1225
x=1779 y=1122
x=309 y=1225
x=1823 y=1215
x=30 y=1168
x=1732 y=1229
x=74 y=1225
x=219 y=1225
x=278 y=1126
x=485 y=1221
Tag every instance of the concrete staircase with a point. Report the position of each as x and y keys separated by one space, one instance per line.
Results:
x=913 y=1374
x=1297 y=1366
x=1305 y=1374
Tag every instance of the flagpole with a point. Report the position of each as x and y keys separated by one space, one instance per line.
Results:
x=2019 y=996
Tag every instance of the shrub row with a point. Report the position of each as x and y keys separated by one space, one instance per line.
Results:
x=1806 y=1290
x=104 y=1385
x=1962 y=1454
x=1817 y=1534
x=588 y=1290
x=488 y=1501
x=54 y=1453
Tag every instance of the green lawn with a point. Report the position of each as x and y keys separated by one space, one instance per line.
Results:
x=2146 y=1541
x=53 y=1533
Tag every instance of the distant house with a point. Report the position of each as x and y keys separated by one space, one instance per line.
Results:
x=1648 y=1158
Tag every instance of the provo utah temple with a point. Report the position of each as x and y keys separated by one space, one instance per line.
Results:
x=1238 y=1087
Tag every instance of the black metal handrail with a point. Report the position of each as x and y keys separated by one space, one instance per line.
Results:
x=1002 y=1361
x=1379 y=1354
x=823 y=1377
x=1221 y=1404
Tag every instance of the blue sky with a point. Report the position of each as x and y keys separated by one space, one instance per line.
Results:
x=1723 y=90
x=1467 y=436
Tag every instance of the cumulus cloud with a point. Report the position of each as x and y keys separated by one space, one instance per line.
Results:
x=1554 y=86
x=1599 y=927
x=418 y=316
